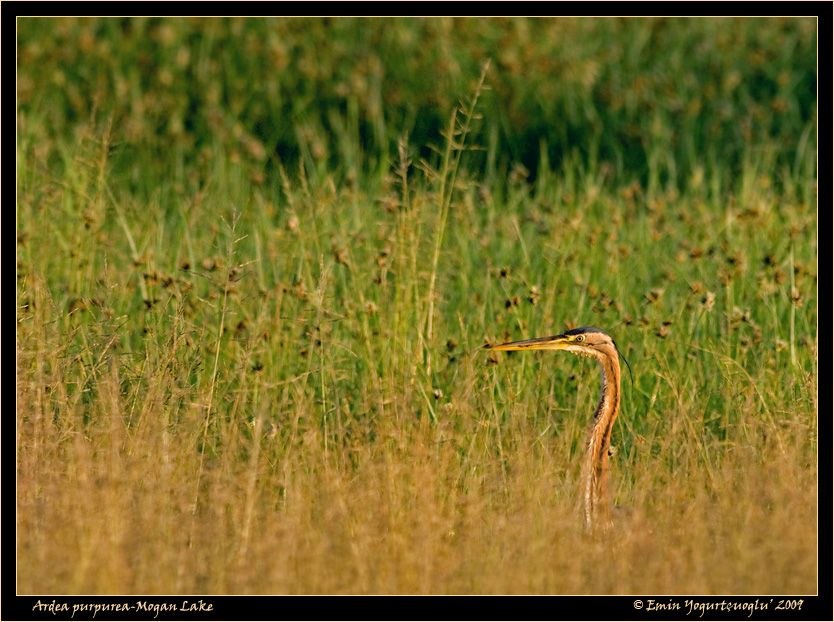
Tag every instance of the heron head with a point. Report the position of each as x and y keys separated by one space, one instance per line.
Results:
x=585 y=341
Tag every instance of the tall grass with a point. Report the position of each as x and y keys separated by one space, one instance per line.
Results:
x=230 y=383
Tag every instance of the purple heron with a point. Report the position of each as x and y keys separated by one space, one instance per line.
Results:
x=595 y=343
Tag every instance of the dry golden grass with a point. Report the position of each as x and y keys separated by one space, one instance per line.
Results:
x=108 y=479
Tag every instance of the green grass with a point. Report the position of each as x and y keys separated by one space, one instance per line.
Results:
x=243 y=371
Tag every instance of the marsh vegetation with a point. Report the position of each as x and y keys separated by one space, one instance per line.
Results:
x=256 y=261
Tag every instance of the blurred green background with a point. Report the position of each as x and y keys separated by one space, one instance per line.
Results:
x=651 y=99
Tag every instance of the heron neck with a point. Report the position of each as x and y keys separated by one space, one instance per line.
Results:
x=609 y=396
x=600 y=441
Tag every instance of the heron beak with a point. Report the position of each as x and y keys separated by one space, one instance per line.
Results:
x=556 y=342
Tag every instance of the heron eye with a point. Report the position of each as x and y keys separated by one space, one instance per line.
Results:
x=581 y=338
